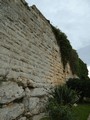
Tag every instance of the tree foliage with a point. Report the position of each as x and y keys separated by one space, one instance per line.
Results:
x=83 y=71
x=64 y=45
x=69 y=55
x=82 y=86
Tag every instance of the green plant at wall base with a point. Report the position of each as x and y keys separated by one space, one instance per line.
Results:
x=60 y=104
x=59 y=112
x=81 y=111
x=64 y=95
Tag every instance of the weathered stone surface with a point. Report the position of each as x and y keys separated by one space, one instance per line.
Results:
x=35 y=102
x=11 y=112
x=34 y=105
x=38 y=117
x=29 y=57
x=9 y=91
x=28 y=114
x=23 y=118
x=38 y=92
x=28 y=48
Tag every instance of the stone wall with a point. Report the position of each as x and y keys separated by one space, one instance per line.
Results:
x=30 y=61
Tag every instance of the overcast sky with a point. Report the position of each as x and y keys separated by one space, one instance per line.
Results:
x=71 y=16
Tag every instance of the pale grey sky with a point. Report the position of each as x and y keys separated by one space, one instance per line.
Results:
x=71 y=16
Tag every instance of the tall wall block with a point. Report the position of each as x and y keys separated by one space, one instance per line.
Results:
x=30 y=61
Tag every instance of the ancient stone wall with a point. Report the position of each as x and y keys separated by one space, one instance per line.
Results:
x=30 y=61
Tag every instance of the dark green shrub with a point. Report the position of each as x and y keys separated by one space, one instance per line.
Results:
x=60 y=112
x=64 y=95
x=60 y=104
x=82 y=86
x=82 y=70
x=74 y=62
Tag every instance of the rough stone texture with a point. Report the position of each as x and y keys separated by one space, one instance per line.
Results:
x=28 y=48
x=30 y=60
x=22 y=118
x=11 y=111
x=38 y=117
x=10 y=91
x=38 y=92
x=34 y=105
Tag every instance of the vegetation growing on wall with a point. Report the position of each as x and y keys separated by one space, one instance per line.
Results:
x=64 y=45
x=69 y=55
x=83 y=71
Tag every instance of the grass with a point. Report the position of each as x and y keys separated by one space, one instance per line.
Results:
x=82 y=112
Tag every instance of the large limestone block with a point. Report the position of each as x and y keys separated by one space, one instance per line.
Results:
x=10 y=91
x=38 y=117
x=22 y=118
x=34 y=105
x=38 y=92
x=11 y=112
x=33 y=100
